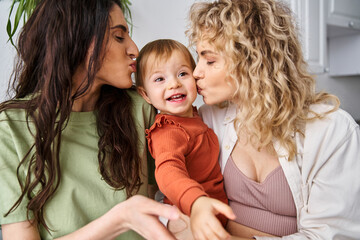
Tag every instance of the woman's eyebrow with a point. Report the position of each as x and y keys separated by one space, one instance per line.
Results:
x=206 y=52
x=120 y=26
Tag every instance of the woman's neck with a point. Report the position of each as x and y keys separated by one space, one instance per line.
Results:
x=85 y=103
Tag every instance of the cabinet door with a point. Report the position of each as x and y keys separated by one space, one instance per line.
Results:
x=311 y=19
x=344 y=37
x=344 y=13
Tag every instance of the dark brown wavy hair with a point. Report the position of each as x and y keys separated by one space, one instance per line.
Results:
x=52 y=45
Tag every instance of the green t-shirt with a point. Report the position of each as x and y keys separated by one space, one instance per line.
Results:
x=82 y=195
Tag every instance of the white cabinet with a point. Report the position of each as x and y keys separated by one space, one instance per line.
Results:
x=344 y=55
x=311 y=19
x=344 y=13
x=343 y=21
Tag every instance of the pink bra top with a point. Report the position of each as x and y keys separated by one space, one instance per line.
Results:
x=267 y=206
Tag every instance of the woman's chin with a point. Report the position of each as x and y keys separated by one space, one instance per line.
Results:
x=208 y=101
x=126 y=85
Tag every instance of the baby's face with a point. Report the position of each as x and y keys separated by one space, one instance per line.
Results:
x=170 y=86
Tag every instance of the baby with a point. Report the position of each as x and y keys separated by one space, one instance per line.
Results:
x=184 y=148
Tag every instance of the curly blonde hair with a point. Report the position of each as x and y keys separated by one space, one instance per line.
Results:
x=259 y=41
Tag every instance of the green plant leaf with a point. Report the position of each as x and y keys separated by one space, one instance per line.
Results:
x=8 y=29
x=18 y=15
x=29 y=7
x=8 y=26
x=127 y=13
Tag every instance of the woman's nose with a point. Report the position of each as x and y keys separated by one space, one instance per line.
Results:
x=198 y=73
x=132 y=49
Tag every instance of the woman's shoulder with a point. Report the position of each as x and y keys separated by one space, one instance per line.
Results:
x=13 y=114
x=332 y=129
x=137 y=100
x=135 y=96
x=143 y=112
x=339 y=119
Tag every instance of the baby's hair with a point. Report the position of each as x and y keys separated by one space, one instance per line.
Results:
x=161 y=49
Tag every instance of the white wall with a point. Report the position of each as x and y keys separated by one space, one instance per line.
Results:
x=159 y=19
x=167 y=19
x=7 y=51
x=346 y=88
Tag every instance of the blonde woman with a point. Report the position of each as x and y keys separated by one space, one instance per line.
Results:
x=290 y=157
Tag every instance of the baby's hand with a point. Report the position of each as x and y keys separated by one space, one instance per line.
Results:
x=204 y=224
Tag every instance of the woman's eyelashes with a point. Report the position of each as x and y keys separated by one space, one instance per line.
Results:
x=119 y=38
x=205 y=59
x=208 y=62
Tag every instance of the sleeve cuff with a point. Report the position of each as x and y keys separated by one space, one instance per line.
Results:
x=189 y=198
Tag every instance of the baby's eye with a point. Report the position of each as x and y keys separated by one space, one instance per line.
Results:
x=159 y=79
x=210 y=62
x=182 y=74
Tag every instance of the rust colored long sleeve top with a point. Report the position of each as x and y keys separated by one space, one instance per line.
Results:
x=186 y=158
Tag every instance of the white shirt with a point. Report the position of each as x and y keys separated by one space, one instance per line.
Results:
x=324 y=177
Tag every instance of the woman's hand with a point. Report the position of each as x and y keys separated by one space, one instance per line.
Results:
x=137 y=213
x=141 y=214
x=204 y=224
x=181 y=228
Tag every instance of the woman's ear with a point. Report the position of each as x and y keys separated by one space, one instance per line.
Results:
x=142 y=92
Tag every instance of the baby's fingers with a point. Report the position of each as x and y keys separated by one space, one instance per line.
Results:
x=224 y=209
x=214 y=230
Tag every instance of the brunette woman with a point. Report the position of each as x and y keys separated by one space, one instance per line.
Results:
x=73 y=151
